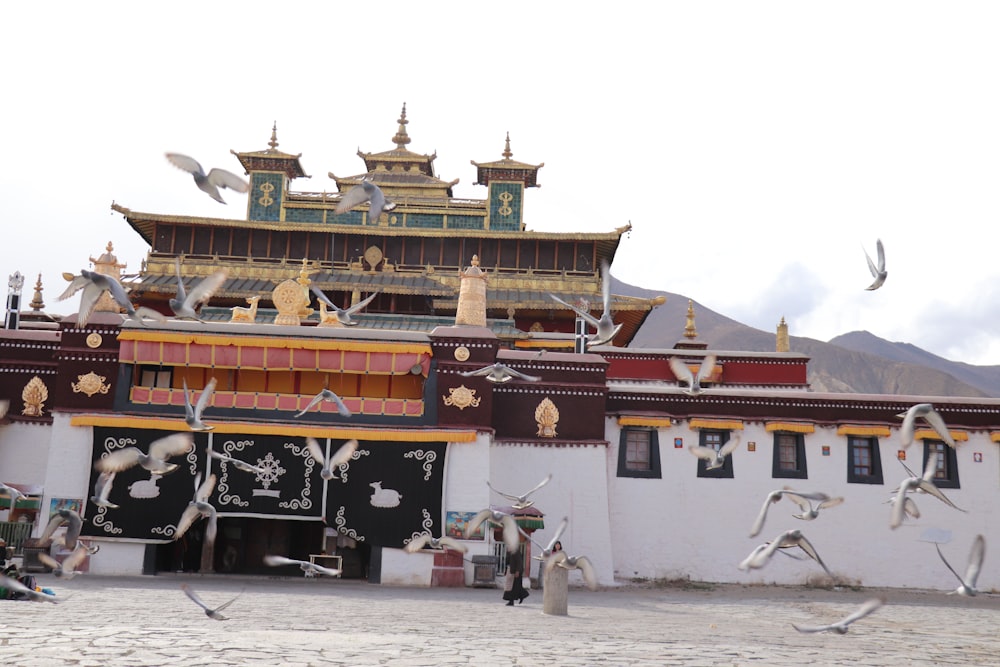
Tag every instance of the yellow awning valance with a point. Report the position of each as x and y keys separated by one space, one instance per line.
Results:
x=721 y=424
x=857 y=429
x=284 y=343
x=655 y=422
x=931 y=434
x=995 y=436
x=791 y=427
x=254 y=428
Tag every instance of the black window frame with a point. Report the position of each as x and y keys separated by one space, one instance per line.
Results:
x=801 y=470
x=726 y=471
x=159 y=373
x=951 y=480
x=876 y=465
x=655 y=470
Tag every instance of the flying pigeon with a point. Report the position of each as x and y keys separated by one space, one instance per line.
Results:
x=343 y=315
x=326 y=395
x=924 y=483
x=210 y=183
x=199 y=507
x=582 y=563
x=12 y=584
x=521 y=501
x=499 y=373
x=155 y=461
x=94 y=285
x=311 y=569
x=192 y=415
x=761 y=555
x=365 y=191
x=327 y=466
x=14 y=494
x=879 y=271
x=805 y=502
x=211 y=613
x=684 y=374
x=185 y=304
x=967 y=584
x=66 y=569
x=546 y=550
x=511 y=535
x=236 y=463
x=73 y=522
x=427 y=540
x=774 y=497
x=605 y=327
x=927 y=412
x=716 y=459
x=840 y=627
x=102 y=489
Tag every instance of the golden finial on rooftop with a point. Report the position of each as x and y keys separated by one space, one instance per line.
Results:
x=783 y=343
x=36 y=301
x=273 y=143
x=689 y=330
x=401 y=138
x=506 y=149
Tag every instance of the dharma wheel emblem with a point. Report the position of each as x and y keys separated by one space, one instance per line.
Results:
x=90 y=384
x=461 y=397
x=547 y=416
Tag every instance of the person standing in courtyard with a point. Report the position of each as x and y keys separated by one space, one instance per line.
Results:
x=513 y=585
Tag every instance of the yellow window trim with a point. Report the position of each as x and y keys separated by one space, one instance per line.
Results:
x=855 y=429
x=722 y=424
x=657 y=422
x=931 y=434
x=791 y=427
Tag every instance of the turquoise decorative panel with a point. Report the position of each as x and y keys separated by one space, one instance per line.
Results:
x=303 y=215
x=466 y=222
x=506 y=202
x=424 y=220
x=348 y=218
x=266 y=196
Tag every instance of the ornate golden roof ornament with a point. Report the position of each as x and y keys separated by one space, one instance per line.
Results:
x=245 y=315
x=36 y=301
x=401 y=138
x=108 y=265
x=90 y=384
x=273 y=143
x=506 y=149
x=689 y=330
x=783 y=343
x=34 y=396
x=547 y=417
x=471 y=310
x=461 y=397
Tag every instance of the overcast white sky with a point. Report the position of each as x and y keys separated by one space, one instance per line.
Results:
x=756 y=147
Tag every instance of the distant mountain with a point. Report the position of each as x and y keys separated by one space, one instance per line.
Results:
x=858 y=362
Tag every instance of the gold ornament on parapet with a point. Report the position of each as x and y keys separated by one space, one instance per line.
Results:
x=547 y=416
x=267 y=189
x=34 y=396
x=94 y=340
x=461 y=397
x=90 y=384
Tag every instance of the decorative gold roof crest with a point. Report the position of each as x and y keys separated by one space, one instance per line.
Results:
x=461 y=397
x=689 y=330
x=547 y=417
x=108 y=265
x=34 y=396
x=783 y=343
x=36 y=300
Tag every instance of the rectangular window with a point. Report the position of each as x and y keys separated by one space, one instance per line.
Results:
x=864 y=463
x=946 y=475
x=715 y=440
x=154 y=376
x=789 y=456
x=639 y=453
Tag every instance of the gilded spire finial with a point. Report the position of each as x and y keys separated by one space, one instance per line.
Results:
x=36 y=301
x=273 y=143
x=783 y=343
x=689 y=330
x=401 y=138
x=506 y=149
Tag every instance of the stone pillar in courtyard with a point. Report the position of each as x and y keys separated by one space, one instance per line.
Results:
x=555 y=592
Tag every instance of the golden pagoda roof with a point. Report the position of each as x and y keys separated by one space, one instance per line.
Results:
x=400 y=158
x=271 y=159
x=509 y=166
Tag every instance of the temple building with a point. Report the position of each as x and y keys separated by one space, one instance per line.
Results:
x=460 y=285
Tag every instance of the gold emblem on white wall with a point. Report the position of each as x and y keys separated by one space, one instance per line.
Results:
x=461 y=397
x=547 y=416
x=34 y=396
x=90 y=384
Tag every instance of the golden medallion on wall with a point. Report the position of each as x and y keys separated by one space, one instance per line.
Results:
x=90 y=384
x=461 y=353
x=94 y=340
x=34 y=396
x=461 y=397
x=547 y=416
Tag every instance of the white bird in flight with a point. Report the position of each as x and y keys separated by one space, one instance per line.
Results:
x=546 y=550
x=199 y=507
x=192 y=413
x=94 y=285
x=211 y=613
x=213 y=180
x=102 y=489
x=236 y=463
x=428 y=540
x=343 y=315
x=775 y=496
x=582 y=563
x=73 y=522
x=327 y=395
x=66 y=569
x=805 y=503
x=15 y=495
x=521 y=501
x=840 y=627
x=499 y=373
x=761 y=555
x=511 y=534
x=605 y=326
x=185 y=304
x=926 y=412
x=155 y=461
x=684 y=374
x=923 y=483
x=328 y=465
x=365 y=191
x=310 y=569
x=878 y=271
x=716 y=458
x=967 y=584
